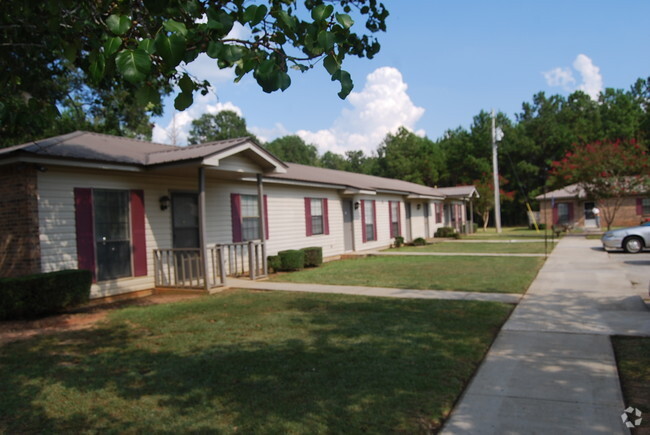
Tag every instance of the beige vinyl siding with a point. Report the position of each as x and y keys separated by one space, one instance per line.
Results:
x=382 y=222
x=57 y=219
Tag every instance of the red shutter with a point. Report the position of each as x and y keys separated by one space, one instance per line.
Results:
x=363 y=221
x=374 y=219
x=399 y=219
x=266 y=216
x=83 y=204
x=326 y=219
x=639 y=206
x=235 y=213
x=555 y=214
x=138 y=237
x=308 y=216
x=390 y=218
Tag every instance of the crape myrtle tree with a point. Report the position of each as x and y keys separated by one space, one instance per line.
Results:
x=142 y=45
x=484 y=204
x=608 y=171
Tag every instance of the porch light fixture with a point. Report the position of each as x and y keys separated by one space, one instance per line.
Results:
x=356 y=205
x=164 y=202
x=419 y=205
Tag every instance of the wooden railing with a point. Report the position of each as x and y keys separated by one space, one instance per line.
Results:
x=184 y=268
x=245 y=258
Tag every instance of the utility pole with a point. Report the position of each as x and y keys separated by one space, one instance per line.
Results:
x=496 y=136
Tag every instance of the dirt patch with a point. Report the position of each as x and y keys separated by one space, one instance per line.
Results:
x=79 y=318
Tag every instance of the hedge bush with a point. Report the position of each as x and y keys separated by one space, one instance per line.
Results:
x=313 y=256
x=274 y=262
x=399 y=241
x=291 y=259
x=445 y=232
x=43 y=293
x=419 y=242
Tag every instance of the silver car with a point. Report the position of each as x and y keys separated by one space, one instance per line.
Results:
x=632 y=239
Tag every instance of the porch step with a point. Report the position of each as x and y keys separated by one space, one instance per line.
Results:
x=178 y=291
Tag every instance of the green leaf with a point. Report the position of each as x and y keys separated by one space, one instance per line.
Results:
x=146 y=95
x=147 y=45
x=134 y=65
x=214 y=48
x=186 y=84
x=112 y=45
x=70 y=51
x=231 y=53
x=321 y=12
x=97 y=68
x=346 y=83
x=260 y=14
x=284 y=81
x=118 y=24
x=331 y=64
x=219 y=20
x=287 y=20
x=344 y=20
x=183 y=101
x=175 y=27
x=326 y=40
x=170 y=48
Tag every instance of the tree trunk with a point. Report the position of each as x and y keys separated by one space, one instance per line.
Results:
x=486 y=219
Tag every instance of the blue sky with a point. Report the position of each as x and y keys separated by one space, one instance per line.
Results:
x=441 y=63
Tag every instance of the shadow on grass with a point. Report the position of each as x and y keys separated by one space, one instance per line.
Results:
x=331 y=366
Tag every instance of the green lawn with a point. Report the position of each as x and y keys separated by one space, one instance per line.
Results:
x=475 y=274
x=493 y=248
x=251 y=362
x=508 y=233
x=633 y=360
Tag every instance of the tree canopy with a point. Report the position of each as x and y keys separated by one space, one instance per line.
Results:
x=219 y=126
x=141 y=46
x=293 y=149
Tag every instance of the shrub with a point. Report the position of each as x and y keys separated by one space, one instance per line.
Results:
x=399 y=241
x=474 y=227
x=43 y=293
x=445 y=232
x=419 y=242
x=313 y=256
x=291 y=259
x=274 y=262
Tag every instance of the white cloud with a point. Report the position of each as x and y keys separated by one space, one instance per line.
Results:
x=592 y=81
x=560 y=77
x=380 y=108
x=178 y=128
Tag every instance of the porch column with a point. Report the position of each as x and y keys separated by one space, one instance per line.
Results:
x=471 y=214
x=202 y=230
x=262 y=214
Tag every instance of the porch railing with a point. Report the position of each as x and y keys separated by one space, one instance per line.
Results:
x=245 y=258
x=184 y=268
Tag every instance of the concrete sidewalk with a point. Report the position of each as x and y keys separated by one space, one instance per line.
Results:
x=373 y=291
x=552 y=368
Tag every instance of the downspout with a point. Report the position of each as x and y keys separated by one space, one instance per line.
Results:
x=260 y=208
x=203 y=246
x=471 y=214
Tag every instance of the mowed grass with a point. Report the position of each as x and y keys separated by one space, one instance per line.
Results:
x=474 y=274
x=251 y=362
x=482 y=248
x=509 y=233
x=633 y=360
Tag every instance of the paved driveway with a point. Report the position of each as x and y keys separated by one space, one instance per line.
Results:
x=636 y=269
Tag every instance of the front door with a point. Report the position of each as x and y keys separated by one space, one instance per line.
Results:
x=347 y=225
x=112 y=233
x=407 y=210
x=590 y=219
x=185 y=217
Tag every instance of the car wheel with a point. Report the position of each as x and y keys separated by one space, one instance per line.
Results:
x=633 y=245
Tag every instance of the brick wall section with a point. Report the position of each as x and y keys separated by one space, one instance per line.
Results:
x=20 y=252
x=626 y=216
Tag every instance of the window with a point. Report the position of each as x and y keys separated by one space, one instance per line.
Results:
x=246 y=217
x=562 y=213
x=110 y=232
x=250 y=218
x=316 y=216
x=645 y=206
x=394 y=216
x=368 y=212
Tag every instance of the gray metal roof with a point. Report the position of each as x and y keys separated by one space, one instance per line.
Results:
x=87 y=146
x=567 y=192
